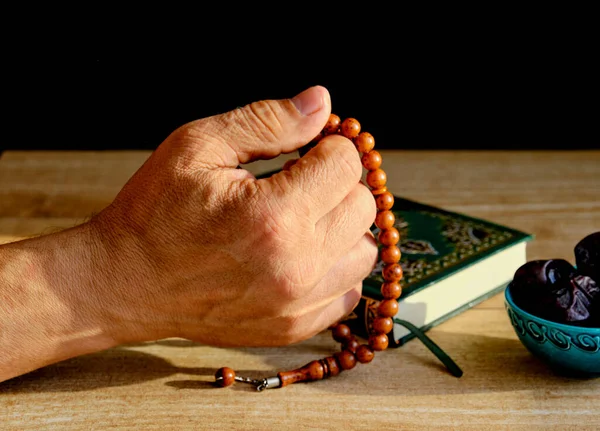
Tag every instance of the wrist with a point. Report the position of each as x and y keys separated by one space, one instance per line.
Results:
x=50 y=297
x=123 y=276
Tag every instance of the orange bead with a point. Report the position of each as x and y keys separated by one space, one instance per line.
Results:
x=391 y=290
x=225 y=376
x=351 y=345
x=346 y=359
x=371 y=160
x=377 y=178
x=382 y=325
x=388 y=308
x=390 y=254
x=384 y=201
x=333 y=124
x=364 y=354
x=389 y=236
x=350 y=128
x=379 y=191
x=341 y=333
x=392 y=272
x=385 y=219
x=378 y=342
x=364 y=142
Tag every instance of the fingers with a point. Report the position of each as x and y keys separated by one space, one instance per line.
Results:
x=348 y=272
x=319 y=180
x=352 y=268
x=341 y=228
x=259 y=130
x=323 y=318
x=334 y=297
x=341 y=288
x=284 y=331
x=337 y=310
x=293 y=330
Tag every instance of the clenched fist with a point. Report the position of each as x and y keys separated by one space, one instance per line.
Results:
x=195 y=247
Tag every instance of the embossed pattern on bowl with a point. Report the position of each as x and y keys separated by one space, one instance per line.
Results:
x=568 y=349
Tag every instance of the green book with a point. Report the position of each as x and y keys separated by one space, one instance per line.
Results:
x=450 y=261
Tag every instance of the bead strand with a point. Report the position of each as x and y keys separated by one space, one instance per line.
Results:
x=352 y=351
x=389 y=253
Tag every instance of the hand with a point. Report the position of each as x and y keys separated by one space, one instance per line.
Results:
x=195 y=248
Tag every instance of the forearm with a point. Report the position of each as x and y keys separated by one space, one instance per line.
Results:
x=49 y=301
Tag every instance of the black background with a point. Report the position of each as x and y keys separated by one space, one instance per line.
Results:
x=425 y=89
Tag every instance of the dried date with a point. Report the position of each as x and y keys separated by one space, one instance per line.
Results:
x=587 y=256
x=543 y=288
x=555 y=290
x=584 y=293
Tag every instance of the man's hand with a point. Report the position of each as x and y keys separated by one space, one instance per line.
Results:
x=193 y=247
x=214 y=255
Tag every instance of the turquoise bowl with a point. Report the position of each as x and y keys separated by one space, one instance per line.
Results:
x=567 y=349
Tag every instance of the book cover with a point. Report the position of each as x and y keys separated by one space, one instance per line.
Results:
x=435 y=244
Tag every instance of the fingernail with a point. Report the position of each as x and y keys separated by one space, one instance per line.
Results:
x=309 y=101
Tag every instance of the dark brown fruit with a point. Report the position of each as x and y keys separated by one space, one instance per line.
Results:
x=583 y=294
x=587 y=256
x=543 y=287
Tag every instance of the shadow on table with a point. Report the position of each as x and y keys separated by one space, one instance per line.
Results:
x=123 y=366
x=114 y=367
x=490 y=365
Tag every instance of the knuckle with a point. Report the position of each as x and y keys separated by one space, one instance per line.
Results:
x=283 y=236
x=360 y=262
x=289 y=276
x=276 y=240
x=188 y=136
x=195 y=142
x=293 y=281
x=367 y=205
x=371 y=254
x=269 y=218
x=263 y=119
x=343 y=154
x=359 y=213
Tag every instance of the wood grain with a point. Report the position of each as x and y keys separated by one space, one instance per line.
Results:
x=166 y=384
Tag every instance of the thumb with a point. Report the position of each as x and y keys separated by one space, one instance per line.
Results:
x=259 y=130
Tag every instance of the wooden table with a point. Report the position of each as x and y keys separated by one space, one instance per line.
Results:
x=166 y=384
